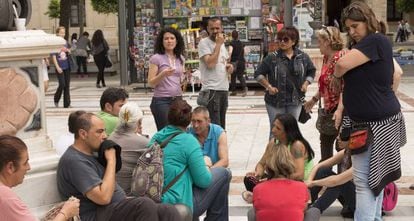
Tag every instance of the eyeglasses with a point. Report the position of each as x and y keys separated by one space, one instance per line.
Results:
x=284 y=40
x=325 y=28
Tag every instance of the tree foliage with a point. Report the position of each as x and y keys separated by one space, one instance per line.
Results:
x=53 y=9
x=405 y=5
x=105 y=6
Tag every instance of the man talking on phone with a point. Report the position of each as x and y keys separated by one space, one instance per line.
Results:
x=214 y=71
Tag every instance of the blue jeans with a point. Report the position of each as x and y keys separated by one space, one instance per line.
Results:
x=345 y=193
x=368 y=206
x=273 y=111
x=159 y=109
x=213 y=199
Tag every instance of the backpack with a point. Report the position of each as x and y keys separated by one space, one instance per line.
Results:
x=390 y=197
x=148 y=175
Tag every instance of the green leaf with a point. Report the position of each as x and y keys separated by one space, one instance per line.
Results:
x=405 y=5
x=105 y=6
x=53 y=9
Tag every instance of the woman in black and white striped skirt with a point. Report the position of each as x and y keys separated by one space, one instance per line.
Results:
x=369 y=100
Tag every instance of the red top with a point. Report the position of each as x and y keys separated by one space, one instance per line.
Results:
x=280 y=199
x=330 y=98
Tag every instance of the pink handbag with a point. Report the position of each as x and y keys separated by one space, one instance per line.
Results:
x=390 y=197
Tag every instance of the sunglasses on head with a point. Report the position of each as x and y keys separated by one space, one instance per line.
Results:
x=325 y=28
x=284 y=39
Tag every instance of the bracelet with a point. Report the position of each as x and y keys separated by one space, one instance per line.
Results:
x=315 y=99
x=66 y=218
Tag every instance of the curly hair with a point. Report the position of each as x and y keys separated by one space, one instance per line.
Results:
x=179 y=47
x=290 y=32
x=333 y=35
x=359 y=11
x=112 y=95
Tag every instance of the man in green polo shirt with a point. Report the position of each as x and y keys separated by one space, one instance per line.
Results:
x=111 y=102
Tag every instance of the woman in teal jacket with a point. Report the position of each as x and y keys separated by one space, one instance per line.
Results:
x=200 y=188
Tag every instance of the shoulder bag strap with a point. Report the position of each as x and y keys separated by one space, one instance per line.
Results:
x=162 y=145
x=165 y=189
x=166 y=141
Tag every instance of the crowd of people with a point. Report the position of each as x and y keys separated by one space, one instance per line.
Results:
x=356 y=89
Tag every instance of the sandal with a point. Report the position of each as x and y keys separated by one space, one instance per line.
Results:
x=247 y=196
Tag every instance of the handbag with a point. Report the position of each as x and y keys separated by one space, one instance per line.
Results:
x=304 y=116
x=108 y=62
x=390 y=197
x=360 y=138
x=204 y=98
x=324 y=123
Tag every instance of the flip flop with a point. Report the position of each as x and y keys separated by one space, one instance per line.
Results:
x=247 y=196
x=412 y=187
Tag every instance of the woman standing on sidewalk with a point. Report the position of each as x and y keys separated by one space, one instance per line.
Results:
x=166 y=70
x=331 y=46
x=367 y=70
x=286 y=75
x=100 y=50
x=62 y=67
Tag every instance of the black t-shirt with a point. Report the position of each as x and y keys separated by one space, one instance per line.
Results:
x=238 y=51
x=368 y=94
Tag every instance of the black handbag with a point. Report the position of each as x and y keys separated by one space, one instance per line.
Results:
x=304 y=116
x=324 y=123
x=108 y=62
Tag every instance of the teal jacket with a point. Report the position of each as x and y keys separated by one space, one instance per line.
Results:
x=183 y=150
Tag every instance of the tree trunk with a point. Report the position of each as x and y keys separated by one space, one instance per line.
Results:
x=81 y=16
x=65 y=16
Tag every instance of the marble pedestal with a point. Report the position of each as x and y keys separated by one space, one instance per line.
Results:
x=22 y=111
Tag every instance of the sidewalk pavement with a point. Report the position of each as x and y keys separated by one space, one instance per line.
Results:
x=248 y=129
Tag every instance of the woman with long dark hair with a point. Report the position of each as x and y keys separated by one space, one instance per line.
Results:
x=285 y=131
x=166 y=70
x=100 y=50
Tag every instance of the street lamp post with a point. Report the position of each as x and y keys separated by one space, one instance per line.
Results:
x=288 y=18
x=122 y=30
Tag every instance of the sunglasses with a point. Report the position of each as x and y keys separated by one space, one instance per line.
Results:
x=284 y=40
x=326 y=29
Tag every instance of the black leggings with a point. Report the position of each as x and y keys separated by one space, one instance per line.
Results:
x=100 y=61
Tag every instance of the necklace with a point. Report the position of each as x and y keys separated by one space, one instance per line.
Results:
x=171 y=60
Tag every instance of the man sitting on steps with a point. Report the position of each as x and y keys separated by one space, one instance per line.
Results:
x=80 y=174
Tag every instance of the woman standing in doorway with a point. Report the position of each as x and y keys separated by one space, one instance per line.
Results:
x=166 y=70
x=100 y=50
